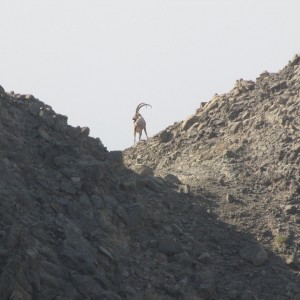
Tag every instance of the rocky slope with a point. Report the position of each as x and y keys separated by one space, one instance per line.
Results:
x=206 y=209
x=240 y=152
x=75 y=223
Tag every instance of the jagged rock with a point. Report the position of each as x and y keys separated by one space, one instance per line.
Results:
x=189 y=122
x=86 y=286
x=85 y=131
x=142 y=170
x=2 y=91
x=293 y=261
x=236 y=126
x=34 y=109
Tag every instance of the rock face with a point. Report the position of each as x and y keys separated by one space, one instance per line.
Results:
x=206 y=209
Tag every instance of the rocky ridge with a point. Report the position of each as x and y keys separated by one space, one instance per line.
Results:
x=203 y=210
x=75 y=223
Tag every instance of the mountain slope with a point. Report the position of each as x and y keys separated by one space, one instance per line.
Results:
x=241 y=149
x=218 y=219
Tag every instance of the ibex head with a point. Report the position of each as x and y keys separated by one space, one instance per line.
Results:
x=137 y=114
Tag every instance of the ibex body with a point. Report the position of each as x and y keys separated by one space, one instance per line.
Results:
x=139 y=122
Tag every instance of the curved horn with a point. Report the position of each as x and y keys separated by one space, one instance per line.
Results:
x=141 y=105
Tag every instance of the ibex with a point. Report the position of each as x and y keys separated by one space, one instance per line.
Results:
x=139 y=122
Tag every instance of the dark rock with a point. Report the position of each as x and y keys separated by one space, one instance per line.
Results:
x=148 y=183
x=136 y=215
x=122 y=213
x=97 y=202
x=142 y=170
x=129 y=185
x=230 y=154
x=206 y=284
x=255 y=254
x=293 y=261
x=34 y=109
x=189 y=122
x=107 y=253
x=234 y=114
x=183 y=258
x=110 y=295
x=86 y=285
x=290 y=209
x=169 y=247
x=165 y=136
x=2 y=91
x=42 y=132
x=236 y=126
x=230 y=198
x=62 y=160
x=85 y=131
x=93 y=170
x=204 y=258
x=172 y=179
x=68 y=187
x=248 y=295
x=16 y=295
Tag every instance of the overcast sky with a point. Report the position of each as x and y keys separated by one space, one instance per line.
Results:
x=95 y=60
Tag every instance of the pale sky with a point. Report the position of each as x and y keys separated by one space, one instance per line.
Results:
x=95 y=60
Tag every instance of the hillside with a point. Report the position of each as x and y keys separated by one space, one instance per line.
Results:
x=241 y=151
x=206 y=209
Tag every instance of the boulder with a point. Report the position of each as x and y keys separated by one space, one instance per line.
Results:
x=254 y=254
x=142 y=170
x=189 y=122
x=165 y=136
